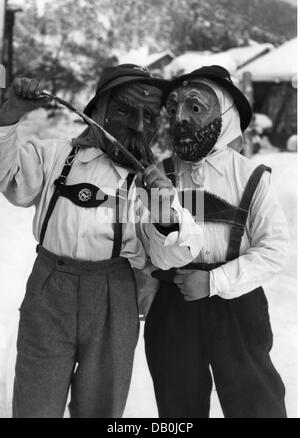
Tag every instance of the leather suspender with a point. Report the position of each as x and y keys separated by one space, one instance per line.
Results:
x=237 y=232
x=169 y=168
x=59 y=183
x=118 y=226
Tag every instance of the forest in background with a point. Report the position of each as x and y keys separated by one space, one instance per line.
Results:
x=68 y=43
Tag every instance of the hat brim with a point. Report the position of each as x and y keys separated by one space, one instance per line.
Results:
x=241 y=102
x=155 y=82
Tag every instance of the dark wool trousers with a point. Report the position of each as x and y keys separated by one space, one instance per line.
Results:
x=233 y=337
x=78 y=328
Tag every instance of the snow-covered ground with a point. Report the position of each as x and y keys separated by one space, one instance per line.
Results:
x=17 y=253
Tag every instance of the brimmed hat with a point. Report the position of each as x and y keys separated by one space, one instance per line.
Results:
x=221 y=77
x=122 y=74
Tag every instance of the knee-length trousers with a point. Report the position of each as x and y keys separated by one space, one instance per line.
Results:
x=78 y=330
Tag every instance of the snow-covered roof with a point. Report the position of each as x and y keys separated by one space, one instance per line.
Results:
x=154 y=57
x=142 y=57
x=279 y=65
x=231 y=59
x=244 y=55
x=190 y=61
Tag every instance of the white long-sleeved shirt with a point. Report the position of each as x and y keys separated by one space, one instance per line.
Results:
x=27 y=173
x=225 y=173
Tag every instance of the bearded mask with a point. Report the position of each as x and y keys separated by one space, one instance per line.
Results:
x=131 y=117
x=195 y=121
x=194 y=144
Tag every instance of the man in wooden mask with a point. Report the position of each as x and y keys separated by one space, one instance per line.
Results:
x=79 y=319
x=213 y=314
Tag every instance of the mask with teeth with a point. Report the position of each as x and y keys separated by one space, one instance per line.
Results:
x=192 y=144
x=195 y=120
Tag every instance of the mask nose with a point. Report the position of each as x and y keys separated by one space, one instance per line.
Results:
x=137 y=120
x=181 y=113
x=140 y=128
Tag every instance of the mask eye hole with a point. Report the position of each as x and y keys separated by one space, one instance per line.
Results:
x=171 y=108
x=172 y=111
x=122 y=111
x=148 y=118
x=196 y=109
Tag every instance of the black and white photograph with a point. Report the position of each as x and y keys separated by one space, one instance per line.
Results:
x=148 y=211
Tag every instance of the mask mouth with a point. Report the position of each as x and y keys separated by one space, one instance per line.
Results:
x=137 y=145
x=192 y=144
x=184 y=131
x=186 y=140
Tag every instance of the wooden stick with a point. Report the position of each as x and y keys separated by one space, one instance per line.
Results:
x=90 y=121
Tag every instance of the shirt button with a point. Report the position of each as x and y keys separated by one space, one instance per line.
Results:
x=60 y=262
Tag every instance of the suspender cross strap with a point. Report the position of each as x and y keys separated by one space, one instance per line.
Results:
x=216 y=209
x=169 y=168
x=59 y=184
x=241 y=213
x=237 y=232
x=121 y=196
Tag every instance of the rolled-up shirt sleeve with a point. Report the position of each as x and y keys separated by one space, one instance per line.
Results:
x=21 y=168
x=176 y=249
x=269 y=242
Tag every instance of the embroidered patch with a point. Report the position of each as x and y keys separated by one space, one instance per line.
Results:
x=84 y=195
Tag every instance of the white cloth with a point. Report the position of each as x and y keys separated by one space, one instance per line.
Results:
x=27 y=173
x=230 y=131
x=265 y=241
x=231 y=128
x=225 y=173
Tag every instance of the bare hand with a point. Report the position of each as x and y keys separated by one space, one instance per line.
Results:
x=193 y=284
x=24 y=96
x=162 y=194
x=156 y=179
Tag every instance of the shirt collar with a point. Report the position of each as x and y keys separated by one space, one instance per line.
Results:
x=216 y=160
x=122 y=171
x=88 y=154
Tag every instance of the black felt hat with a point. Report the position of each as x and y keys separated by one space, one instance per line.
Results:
x=120 y=75
x=220 y=76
